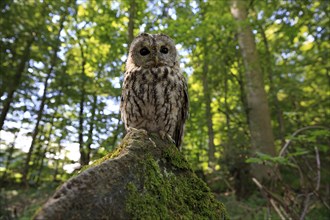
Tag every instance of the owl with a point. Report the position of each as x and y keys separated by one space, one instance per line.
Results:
x=154 y=92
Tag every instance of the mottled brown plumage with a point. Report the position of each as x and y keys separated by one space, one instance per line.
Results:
x=154 y=95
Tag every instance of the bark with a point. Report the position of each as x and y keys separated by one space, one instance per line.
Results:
x=207 y=96
x=42 y=104
x=208 y=110
x=48 y=141
x=240 y=81
x=227 y=109
x=131 y=19
x=41 y=164
x=262 y=139
x=36 y=128
x=238 y=169
x=208 y=115
x=269 y=70
x=58 y=160
x=84 y=158
x=16 y=81
x=10 y=155
x=36 y=157
x=144 y=178
x=84 y=154
x=91 y=126
x=243 y=96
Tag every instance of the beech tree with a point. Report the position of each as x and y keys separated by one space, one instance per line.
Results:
x=262 y=138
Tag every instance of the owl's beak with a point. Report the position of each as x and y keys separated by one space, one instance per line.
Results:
x=156 y=60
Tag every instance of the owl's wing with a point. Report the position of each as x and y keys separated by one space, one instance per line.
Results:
x=178 y=135
x=123 y=100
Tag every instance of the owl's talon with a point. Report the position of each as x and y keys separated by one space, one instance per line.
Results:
x=144 y=132
x=163 y=135
x=170 y=139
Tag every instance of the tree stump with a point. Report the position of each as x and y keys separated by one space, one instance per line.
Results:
x=144 y=178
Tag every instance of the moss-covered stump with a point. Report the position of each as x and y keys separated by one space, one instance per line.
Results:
x=144 y=178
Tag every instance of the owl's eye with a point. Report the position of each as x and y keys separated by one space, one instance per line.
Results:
x=144 y=51
x=164 y=50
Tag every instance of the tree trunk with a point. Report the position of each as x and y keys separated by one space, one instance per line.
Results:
x=36 y=128
x=208 y=111
x=84 y=154
x=238 y=169
x=37 y=156
x=91 y=126
x=16 y=81
x=41 y=164
x=10 y=155
x=273 y=92
x=131 y=19
x=262 y=139
x=58 y=160
x=242 y=94
x=42 y=104
x=48 y=141
x=226 y=106
x=84 y=160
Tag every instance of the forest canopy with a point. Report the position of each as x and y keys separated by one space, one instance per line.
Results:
x=62 y=66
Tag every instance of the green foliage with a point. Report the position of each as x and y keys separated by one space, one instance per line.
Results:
x=301 y=174
x=271 y=160
x=249 y=209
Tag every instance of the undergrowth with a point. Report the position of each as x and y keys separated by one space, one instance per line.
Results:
x=20 y=203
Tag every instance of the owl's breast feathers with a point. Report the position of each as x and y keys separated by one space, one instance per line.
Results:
x=156 y=100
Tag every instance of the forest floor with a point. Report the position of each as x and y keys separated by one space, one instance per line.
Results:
x=20 y=203
x=17 y=203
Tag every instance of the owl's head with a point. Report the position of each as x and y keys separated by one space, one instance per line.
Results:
x=152 y=50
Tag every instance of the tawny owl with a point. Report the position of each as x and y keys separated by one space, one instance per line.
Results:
x=154 y=92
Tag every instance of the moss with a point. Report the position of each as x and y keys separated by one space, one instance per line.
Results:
x=175 y=157
x=167 y=195
x=116 y=152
